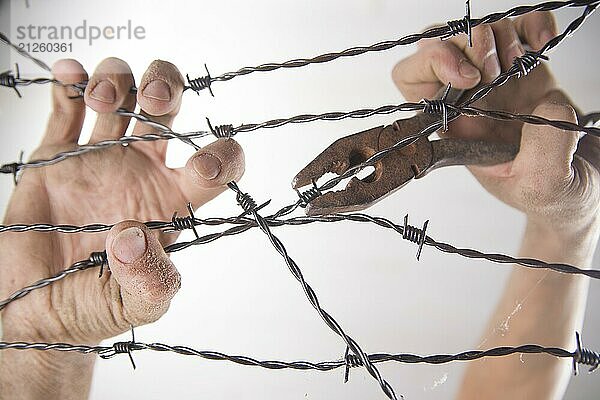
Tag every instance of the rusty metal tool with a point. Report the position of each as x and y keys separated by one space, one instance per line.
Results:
x=397 y=168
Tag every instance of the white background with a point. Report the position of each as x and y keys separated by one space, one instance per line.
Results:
x=238 y=296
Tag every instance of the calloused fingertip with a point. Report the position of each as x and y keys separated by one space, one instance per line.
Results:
x=161 y=89
x=217 y=164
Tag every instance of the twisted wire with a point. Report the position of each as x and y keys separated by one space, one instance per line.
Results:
x=242 y=225
x=349 y=361
x=80 y=150
x=249 y=205
x=4 y=39
x=15 y=167
x=436 y=32
x=96 y=260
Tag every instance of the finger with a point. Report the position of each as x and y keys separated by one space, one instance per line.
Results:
x=508 y=43
x=535 y=29
x=483 y=54
x=147 y=278
x=423 y=74
x=66 y=119
x=207 y=172
x=108 y=90
x=159 y=97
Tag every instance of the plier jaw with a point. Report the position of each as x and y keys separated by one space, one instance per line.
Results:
x=390 y=174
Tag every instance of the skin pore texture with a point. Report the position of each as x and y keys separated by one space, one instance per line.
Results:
x=554 y=180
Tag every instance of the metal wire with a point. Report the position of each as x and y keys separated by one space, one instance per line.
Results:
x=228 y=131
x=250 y=218
x=436 y=32
x=579 y=356
x=122 y=141
x=249 y=205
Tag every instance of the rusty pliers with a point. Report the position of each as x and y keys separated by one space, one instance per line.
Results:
x=399 y=167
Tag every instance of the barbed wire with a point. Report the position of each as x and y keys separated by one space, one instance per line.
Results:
x=230 y=131
x=250 y=218
x=580 y=356
x=452 y=28
x=521 y=67
x=243 y=224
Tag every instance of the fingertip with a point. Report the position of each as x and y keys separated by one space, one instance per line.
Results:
x=110 y=86
x=161 y=89
x=217 y=164
x=66 y=68
x=67 y=71
x=139 y=264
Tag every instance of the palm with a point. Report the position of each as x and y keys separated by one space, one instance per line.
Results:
x=105 y=186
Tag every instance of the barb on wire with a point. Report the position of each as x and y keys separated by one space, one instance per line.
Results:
x=249 y=205
x=463 y=25
x=122 y=348
x=451 y=28
x=439 y=106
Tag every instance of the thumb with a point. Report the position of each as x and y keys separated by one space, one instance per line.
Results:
x=546 y=153
x=147 y=278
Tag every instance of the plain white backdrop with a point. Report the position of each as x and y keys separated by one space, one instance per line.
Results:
x=237 y=295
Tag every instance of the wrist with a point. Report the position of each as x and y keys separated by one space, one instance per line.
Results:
x=571 y=243
x=48 y=374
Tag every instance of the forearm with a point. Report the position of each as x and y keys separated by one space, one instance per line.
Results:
x=540 y=307
x=48 y=375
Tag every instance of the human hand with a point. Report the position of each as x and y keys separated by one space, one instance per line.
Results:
x=107 y=186
x=555 y=177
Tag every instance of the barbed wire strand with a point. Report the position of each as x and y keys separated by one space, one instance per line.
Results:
x=580 y=356
x=168 y=134
x=241 y=225
x=436 y=32
x=249 y=206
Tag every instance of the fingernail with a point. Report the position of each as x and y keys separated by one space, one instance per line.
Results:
x=158 y=90
x=104 y=91
x=491 y=65
x=129 y=245
x=468 y=70
x=207 y=166
x=546 y=36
